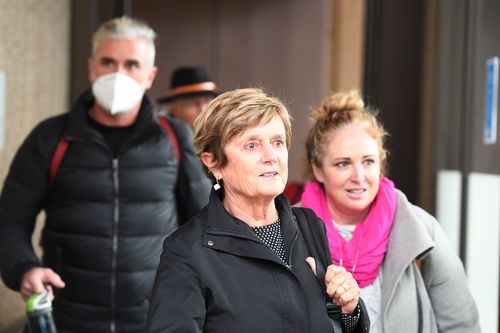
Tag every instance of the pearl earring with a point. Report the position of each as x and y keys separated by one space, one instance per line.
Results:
x=217 y=185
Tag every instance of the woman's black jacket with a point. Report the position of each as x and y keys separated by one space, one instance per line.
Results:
x=215 y=275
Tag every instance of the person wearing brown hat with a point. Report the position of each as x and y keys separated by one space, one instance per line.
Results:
x=191 y=90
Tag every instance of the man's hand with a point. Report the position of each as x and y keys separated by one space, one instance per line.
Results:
x=37 y=280
x=342 y=288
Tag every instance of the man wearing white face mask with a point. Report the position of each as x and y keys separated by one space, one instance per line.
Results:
x=118 y=190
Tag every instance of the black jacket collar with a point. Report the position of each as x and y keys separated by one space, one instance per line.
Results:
x=146 y=127
x=227 y=233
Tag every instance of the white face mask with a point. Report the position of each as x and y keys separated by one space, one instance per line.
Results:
x=117 y=92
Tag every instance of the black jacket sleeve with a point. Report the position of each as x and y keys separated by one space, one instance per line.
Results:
x=193 y=186
x=22 y=199
x=177 y=303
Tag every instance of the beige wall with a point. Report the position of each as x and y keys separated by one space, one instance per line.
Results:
x=34 y=56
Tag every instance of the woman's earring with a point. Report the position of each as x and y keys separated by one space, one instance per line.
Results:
x=216 y=185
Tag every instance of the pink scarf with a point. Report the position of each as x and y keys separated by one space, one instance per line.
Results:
x=366 y=249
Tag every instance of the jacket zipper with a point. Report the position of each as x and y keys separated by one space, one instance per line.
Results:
x=116 y=212
x=289 y=266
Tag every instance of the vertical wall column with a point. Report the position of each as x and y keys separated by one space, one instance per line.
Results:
x=392 y=82
x=347 y=45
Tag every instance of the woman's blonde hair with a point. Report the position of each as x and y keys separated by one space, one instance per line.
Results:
x=231 y=113
x=338 y=111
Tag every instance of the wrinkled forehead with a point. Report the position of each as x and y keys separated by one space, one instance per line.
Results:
x=258 y=127
x=140 y=50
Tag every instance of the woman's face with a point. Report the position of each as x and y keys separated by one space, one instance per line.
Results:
x=350 y=172
x=257 y=167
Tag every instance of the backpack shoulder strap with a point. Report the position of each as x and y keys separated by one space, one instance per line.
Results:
x=168 y=128
x=305 y=219
x=57 y=157
x=312 y=238
x=63 y=143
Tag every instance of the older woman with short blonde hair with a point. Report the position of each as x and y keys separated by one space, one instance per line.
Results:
x=245 y=263
x=232 y=114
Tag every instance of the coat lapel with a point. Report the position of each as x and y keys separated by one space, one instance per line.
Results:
x=228 y=234
x=407 y=233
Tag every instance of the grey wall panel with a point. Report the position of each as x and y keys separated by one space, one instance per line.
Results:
x=448 y=203
x=483 y=246
x=393 y=80
x=450 y=84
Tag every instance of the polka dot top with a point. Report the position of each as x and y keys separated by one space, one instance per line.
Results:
x=271 y=236
x=350 y=322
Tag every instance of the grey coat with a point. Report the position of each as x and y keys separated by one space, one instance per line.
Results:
x=433 y=299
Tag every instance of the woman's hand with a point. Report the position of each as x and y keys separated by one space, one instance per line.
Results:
x=342 y=288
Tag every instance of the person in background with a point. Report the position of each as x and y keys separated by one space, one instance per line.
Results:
x=119 y=191
x=191 y=89
x=410 y=278
x=243 y=263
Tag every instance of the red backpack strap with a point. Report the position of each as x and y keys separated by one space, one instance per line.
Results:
x=63 y=144
x=57 y=158
x=166 y=125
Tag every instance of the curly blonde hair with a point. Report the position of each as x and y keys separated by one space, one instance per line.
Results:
x=339 y=111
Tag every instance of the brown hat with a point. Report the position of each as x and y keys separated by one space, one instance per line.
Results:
x=190 y=82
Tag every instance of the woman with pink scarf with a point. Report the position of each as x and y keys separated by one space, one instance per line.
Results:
x=411 y=279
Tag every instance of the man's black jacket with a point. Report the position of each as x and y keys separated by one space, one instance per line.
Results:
x=106 y=215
